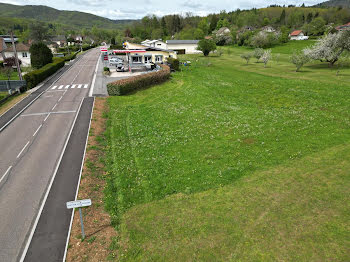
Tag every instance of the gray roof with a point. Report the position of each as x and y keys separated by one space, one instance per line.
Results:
x=182 y=41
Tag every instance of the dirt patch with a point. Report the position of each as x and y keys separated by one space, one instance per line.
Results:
x=97 y=223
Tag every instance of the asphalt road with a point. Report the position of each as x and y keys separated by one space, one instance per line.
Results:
x=32 y=147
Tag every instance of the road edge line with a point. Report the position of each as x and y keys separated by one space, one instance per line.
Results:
x=77 y=191
x=29 y=239
x=94 y=79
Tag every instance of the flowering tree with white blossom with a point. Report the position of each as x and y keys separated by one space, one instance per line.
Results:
x=330 y=47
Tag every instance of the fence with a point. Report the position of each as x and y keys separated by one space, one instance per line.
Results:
x=11 y=86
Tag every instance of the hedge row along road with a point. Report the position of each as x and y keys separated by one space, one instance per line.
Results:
x=32 y=147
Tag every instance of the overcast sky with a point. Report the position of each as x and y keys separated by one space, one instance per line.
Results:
x=135 y=9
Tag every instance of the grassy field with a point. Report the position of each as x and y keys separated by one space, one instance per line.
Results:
x=233 y=162
x=14 y=76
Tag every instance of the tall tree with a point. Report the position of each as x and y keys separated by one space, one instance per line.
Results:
x=38 y=32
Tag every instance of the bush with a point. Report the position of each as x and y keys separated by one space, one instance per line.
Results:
x=126 y=86
x=1 y=64
x=299 y=60
x=246 y=56
x=174 y=63
x=206 y=46
x=106 y=69
x=258 y=53
x=11 y=61
x=35 y=77
x=264 y=40
x=40 y=55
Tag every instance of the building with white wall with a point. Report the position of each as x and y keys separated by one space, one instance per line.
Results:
x=298 y=35
x=22 y=53
x=183 y=46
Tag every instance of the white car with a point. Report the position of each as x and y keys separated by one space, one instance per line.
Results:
x=114 y=61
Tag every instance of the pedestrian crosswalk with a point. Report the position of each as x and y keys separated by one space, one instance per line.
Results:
x=81 y=86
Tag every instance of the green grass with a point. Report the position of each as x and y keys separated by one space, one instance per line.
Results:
x=3 y=95
x=217 y=139
x=14 y=76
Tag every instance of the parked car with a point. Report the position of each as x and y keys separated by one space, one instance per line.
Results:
x=115 y=61
x=120 y=67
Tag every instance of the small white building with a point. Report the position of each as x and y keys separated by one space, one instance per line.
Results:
x=268 y=29
x=22 y=53
x=298 y=35
x=183 y=46
x=155 y=43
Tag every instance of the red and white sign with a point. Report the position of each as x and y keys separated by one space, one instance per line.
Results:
x=104 y=49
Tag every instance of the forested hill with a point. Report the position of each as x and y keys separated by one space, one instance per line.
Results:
x=335 y=3
x=50 y=15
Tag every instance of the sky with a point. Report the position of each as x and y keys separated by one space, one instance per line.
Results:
x=136 y=9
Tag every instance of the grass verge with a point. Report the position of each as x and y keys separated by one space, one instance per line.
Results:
x=99 y=232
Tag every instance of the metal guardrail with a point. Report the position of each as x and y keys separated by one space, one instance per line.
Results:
x=11 y=85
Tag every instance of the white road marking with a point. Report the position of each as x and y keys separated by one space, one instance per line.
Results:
x=86 y=86
x=4 y=175
x=79 y=86
x=48 y=189
x=94 y=79
x=67 y=86
x=73 y=86
x=54 y=107
x=23 y=149
x=54 y=87
x=47 y=117
x=60 y=99
x=46 y=113
x=55 y=91
x=37 y=130
x=61 y=86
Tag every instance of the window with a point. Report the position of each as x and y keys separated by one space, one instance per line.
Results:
x=137 y=59
x=159 y=44
x=148 y=59
x=24 y=54
x=159 y=58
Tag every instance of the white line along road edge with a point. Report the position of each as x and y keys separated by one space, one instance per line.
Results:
x=48 y=189
x=94 y=79
x=77 y=191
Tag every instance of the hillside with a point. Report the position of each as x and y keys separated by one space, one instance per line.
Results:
x=335 y=3
x=51 y=15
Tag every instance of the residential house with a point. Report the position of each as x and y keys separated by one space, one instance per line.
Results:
x=141 y=54
x=155 y=43
x=223 y=31
x=268 y=29
x=183 y=46
x=298 y=35
x=345 y=27
x=22 y=53
x=60 y=40
x=3 y=47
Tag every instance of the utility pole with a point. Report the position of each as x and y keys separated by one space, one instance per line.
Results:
x=16 y=57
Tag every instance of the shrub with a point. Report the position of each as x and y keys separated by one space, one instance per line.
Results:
x=126 y=86
x=246 y=56
x=11 y=61
x=174 y=63
x=266 y=57
x=1 y=64
x=264 y=40
x=40 y=55
x=299 y=60
x=258 y=53
x=106 y=69
x=35 y=77
x=206 y=46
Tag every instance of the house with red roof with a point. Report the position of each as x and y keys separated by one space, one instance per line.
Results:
x=345 y=27
x=298 y=35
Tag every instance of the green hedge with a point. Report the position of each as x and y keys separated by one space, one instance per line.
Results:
x=174 y=63
x=126 y=86
x=35 y=77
